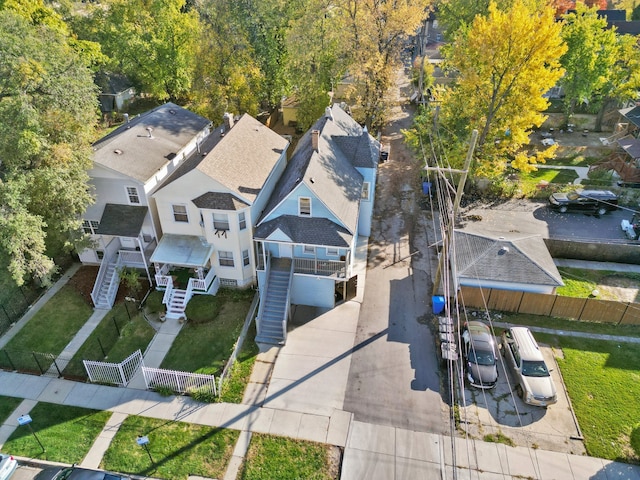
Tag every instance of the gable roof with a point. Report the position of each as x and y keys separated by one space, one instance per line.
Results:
x=148 y=142
x=240 y=158
x=516 y=259
x=122 y=220
x=330 y=171
x=243 y=160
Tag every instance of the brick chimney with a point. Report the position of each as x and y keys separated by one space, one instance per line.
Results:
x=315 y=136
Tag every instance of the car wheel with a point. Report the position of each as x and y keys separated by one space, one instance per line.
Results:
x=602 y=211
x=563 y=209
x=519 y=391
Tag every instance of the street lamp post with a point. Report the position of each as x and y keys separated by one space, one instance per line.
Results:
x=26 y=420
x=143 y=441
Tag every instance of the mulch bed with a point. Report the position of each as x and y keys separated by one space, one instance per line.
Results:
x=85 y=278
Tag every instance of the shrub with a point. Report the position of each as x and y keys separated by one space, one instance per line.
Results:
x=164 y=390
x=203 y=308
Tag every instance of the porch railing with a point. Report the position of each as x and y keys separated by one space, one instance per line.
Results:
x=132 y=258
x=209 y=284
x=287 y=306
x=315 y=266
x=267 y=268
x=109 y=254
x=167 y=293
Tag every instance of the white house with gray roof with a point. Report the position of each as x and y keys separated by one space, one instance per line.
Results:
x=208 y=207
x=129 y=165
x=307 y=235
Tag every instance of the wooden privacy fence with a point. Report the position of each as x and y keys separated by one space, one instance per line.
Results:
x=586 y=309
x=179 y=382
x=115 y=373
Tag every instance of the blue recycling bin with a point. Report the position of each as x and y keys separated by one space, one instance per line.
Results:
x=438 y=303
x=426 y=188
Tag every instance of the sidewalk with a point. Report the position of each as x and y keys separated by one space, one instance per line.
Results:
x=293 y=397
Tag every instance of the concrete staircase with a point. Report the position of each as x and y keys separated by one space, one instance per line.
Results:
x=177 y=303
x=105 y=298
x=275 y=310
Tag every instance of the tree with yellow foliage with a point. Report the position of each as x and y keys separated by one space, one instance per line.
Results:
x=504 y=63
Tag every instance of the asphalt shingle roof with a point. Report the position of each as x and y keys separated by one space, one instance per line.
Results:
x=148 y=142
x=330 y=172
x=122 y=220
x=508 y=258
x=219 y=201
x=308 y=231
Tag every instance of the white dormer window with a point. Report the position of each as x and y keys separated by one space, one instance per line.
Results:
x=132 y=194
x=304 y=207
x=366 y=191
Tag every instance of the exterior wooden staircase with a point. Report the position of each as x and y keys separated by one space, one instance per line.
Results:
x=274 y=303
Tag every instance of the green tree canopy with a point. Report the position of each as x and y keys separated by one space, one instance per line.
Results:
x=152 y=42
x=504 y=64
x=48 y=105
x=591 y=55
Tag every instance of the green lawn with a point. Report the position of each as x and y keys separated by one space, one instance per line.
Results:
x=603 y=381
x=53 y=326
x=118 y=342
x=7 y=406
x=581 y=283
x=178 y=449
x=235 y=384
x=529 y=181
x=272 y=457
x=206 y=342
x=67 y=433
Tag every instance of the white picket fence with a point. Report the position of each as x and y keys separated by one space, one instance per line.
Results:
x=115 y=373
x=179 y=382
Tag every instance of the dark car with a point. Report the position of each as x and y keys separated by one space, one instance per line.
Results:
x=75 y=473
x=479 y=352
x=598 y=201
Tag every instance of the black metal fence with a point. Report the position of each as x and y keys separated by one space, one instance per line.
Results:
x=14 y=304
x=97 y=348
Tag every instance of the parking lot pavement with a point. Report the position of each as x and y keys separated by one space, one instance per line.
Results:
x=498 y=411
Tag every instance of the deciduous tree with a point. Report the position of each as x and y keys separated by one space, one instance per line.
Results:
x=504 y=64
x=48 y=108
x=589 y=60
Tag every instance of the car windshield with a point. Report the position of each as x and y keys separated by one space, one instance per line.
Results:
x=534 y=369
x=482 y=357
x=573 y=196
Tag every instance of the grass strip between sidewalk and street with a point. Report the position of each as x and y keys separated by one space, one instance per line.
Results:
x=66 y=432
x=270 y=457
x=175 y=449
x=7 y=407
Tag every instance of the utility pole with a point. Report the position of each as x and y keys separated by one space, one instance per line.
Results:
x=456 y=204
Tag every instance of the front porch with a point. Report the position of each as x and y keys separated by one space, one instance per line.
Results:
x=182 y=270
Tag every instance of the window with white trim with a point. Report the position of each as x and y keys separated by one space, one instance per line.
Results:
x=225 y=259
x=366 y=190
x=180 y=213
x=309 y=250
x=220 y=221
x=242 y=221
x=132 y=194
x=90 y=227
x=332 y=252
x=245 y=258
x=304 y=207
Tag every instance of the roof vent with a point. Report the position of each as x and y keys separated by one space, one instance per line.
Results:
x=117 y=151
x=172 y=111
x=149 y=130
x=503 y=250
x=328 y=113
